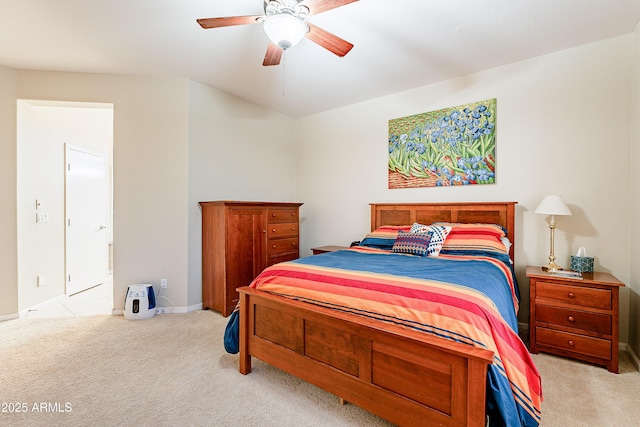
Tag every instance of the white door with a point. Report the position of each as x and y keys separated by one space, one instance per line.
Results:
x=86 y=215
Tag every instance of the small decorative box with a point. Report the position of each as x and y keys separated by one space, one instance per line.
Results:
x=583 y=264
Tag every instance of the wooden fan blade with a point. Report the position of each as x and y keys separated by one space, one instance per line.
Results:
x=319 y=6
x=228 y=21
x=329 y=41
x=273 y=56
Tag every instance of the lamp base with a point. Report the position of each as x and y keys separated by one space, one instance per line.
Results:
x=551 y=267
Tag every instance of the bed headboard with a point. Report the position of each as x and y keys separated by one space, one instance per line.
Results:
x=502 y=213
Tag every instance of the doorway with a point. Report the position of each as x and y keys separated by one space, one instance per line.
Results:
x=86 y=241
x=49 y=133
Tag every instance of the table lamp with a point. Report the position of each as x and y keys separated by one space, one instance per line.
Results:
x=552 y=205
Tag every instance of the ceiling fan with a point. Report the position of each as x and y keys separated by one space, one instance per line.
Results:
x=285 y=23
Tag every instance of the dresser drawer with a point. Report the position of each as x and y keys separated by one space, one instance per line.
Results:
x=588 y=346
x=595 y=322
x=575 y=295
x=281 y=258
x=275 y=216
x=282 y=246
x=277 y=231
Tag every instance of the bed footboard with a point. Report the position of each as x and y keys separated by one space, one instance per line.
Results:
x=400 y=375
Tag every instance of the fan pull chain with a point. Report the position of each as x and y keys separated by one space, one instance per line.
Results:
x=284 y=61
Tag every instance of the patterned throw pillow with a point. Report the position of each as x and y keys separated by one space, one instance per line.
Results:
x=439 y=234
x=412 y=243
x=419 y=228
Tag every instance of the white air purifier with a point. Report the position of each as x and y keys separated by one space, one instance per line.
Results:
x=140 y=302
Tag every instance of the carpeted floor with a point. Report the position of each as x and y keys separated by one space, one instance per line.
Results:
x=582 y=395
x=172 y=370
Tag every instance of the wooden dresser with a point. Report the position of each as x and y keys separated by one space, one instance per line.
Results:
x=239 y=240
x=575 y=317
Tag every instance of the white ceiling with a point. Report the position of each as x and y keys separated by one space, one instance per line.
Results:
x=399 y=44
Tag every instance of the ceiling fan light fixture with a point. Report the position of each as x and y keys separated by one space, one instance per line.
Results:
x=285 y=30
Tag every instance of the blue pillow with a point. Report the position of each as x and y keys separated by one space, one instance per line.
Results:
x=383 y=237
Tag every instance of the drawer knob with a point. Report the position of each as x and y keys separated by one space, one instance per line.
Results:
x=571 y=319
x=571 y=343
x=273 y=229
x=273 y=215
x=274 y=246
x=293 y=244
x=293 y=229
x=571 y=295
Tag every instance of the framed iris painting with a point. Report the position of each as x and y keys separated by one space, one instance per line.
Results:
x=452 y=146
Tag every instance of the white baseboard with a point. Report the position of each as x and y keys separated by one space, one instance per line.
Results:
x=632 y=355
x=195 y=307
x=182 y=310
x=10 y=316
x=174 y=310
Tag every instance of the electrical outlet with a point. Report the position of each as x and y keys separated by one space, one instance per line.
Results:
x=163 y=283
x=163 y=310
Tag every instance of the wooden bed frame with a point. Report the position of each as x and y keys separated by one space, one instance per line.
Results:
x=403 y=376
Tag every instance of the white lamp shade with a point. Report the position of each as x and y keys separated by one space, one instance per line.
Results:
x=285 y=30
x=553 y=205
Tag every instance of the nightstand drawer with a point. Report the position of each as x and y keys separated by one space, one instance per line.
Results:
x=575 y=295
x=594 y=322
x=588 y=346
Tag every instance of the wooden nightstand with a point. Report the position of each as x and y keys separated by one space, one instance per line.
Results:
x=573 y=317
x=325 y=249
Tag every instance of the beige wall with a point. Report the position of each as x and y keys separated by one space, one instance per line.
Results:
x=563 y=126
x=8 y=210
x=237 y=151
x=175 y=143
x=634 y=282
x=150 y=149
x=43 y=130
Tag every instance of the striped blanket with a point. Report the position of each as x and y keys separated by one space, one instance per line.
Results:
x=465 y=299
